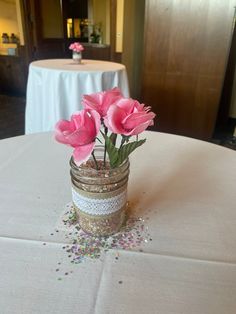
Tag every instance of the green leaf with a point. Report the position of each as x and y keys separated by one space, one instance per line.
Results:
x=127 y=149
x=112 y=151
x=118 y=156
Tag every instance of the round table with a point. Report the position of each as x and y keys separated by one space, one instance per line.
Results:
x=55 y=88
x=184 y=192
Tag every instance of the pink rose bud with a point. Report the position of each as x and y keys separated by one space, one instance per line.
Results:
x=80 y=133
x=128 y=117
x=102 y=101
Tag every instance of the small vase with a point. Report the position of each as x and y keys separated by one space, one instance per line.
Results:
x=99 y=196
x=77 y=57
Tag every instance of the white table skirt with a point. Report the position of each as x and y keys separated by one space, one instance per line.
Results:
x=55 y=88
x=184 y=188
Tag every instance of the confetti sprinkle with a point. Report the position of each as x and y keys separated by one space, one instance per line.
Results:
x=132 y=236
x=84 y=246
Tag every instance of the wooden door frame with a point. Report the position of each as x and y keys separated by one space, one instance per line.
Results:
x=28 y=29
x=115 y=56
x=227 y=88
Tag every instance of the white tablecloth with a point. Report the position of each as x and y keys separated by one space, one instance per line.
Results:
x=55 y=88
x=184 y=188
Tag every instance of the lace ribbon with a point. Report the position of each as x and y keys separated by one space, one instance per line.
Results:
x=98 y=206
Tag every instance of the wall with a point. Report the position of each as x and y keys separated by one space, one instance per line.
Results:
x=52 y=27
x=133 y=43
x=10 y=22
x=8 y=17
x=19 y=21
x=107 y=33
x=101 y=14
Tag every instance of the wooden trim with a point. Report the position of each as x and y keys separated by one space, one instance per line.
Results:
x=115 y=56
x=25 y=7
x=113 y=28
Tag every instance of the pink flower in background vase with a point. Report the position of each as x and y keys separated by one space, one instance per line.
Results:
x=102 y=101
x=80 y=133
x=77 y=47
x=128 y=117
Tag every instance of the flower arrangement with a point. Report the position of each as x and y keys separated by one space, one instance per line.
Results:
x=76 y=47
x=110 y=114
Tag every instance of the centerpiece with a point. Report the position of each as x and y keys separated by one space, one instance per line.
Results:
x=101 y=135
x=77 y=49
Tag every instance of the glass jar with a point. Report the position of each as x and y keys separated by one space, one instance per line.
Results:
x=77 y=57
x=99 y=196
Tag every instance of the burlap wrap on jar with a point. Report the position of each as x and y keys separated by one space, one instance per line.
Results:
x=99 y=196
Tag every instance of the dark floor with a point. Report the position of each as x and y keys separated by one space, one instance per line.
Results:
x=226 y=136
x=12 y=116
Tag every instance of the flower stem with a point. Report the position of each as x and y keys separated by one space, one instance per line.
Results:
x=105 y=149
x=113 y=138
x=122 y=142
x=95 y=161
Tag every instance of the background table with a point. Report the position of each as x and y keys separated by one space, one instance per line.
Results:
x=55 y=88
x=184 y=189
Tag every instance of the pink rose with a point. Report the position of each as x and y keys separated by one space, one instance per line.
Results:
x=80 y=132
x=128 y=117
x=102 y=101
x=76 y=47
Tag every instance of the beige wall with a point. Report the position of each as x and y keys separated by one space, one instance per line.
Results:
x=10 y=22
x=101 y=14
x=19 y=21
x=133 y=43
x=108 y=15
x=52 y=19
x=8 y=18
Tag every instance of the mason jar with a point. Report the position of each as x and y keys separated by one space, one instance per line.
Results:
x=99 y=195
x=77 y=57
